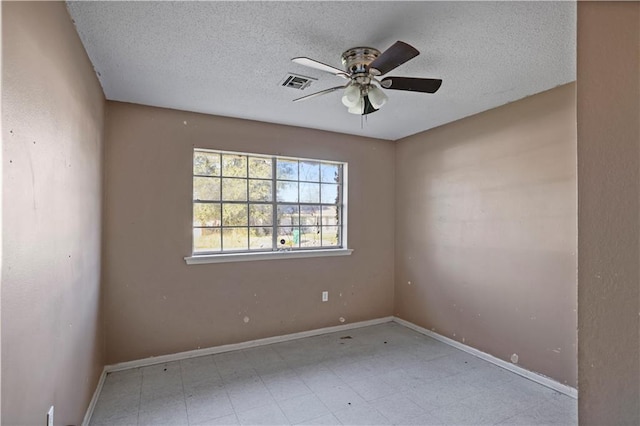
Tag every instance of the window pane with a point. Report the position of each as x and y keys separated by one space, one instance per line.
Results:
x=234 y=215
x=206 y=163
x=260 y=190
x=288 y=214
x=288 y=237
x=330 y=215
x=206 y=239
x=234 y=189
x=261 y=238
x=330 y=172
x=260 y=167
x=234 y=165
x=206 y=214
x=309 y=192
x=330 y=236
x=310 y=236
x=329 y=194
x=235 y=239
x=206 y=188
x=287 y=192
x=287 y=169
x=310 y=171
x=310 y=215
x=260 y=214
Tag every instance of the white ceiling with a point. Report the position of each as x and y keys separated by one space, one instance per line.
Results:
x=229 y=58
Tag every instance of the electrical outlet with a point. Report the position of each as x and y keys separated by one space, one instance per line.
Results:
x=325 y=296
x=50 y=416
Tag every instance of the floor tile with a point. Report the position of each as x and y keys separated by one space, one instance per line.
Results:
x=426 y=419
x=401 y=380
x=231 y=362
x=161 y=381
x=361 y=414
x=130 y=419
x=441 y=393
x=546 y=413
x=161 y=402
x=171 y=413
x=204 y=406
x=339 y=398
x=371 y=388
x=487 y=409
x=265 y=415
x=198 y=370
x=230 y=420
x=112 y=406
x=398 y=408
x=318 y=378
x=488 y=377
x=327 y=420
x=285 y=386
x=353 y=370
x=251 y=396
x=303 y=408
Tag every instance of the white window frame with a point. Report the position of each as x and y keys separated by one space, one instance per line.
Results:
x=275 y=253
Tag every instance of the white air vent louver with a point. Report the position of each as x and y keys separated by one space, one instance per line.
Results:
x=296 y=81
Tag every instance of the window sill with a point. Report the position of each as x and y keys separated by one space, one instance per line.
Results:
x=246 y=257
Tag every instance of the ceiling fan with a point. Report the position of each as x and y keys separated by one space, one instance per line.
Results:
x=362 y=67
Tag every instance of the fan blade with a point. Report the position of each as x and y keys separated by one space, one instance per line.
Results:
x=393 y=57
x=312 y=63
x=320 y=93
x=424 y=85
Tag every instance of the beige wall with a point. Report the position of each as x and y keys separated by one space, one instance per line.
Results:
x=608 y=193
x=486 y=232
x=52 y=118
x=156 y=304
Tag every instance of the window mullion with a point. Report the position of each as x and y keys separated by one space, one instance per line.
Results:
x=274 y=205
x=299 y=227
x=221 y=198
x=248 y=210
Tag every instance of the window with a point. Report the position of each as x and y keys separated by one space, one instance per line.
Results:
x=245 y=203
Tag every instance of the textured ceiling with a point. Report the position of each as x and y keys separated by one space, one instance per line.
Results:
x=229 y=58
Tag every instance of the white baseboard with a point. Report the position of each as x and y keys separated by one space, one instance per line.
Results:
x=243 y=345
x=536 y=377
x=94 y=399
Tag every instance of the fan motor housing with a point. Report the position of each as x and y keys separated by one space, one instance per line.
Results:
x=357 y=59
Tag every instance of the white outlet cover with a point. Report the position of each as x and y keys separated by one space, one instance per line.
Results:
x=325 y=296
x=50 y=416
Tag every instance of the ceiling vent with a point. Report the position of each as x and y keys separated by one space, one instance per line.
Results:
x=296 y=81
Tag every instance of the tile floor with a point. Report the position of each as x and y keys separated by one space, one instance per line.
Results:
x=379 y=375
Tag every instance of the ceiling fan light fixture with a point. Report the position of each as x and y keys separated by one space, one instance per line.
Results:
x=377 y=97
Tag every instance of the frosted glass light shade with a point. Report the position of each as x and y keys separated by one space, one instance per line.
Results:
x=358 y=108
x=377 y=97
x=351 y=97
